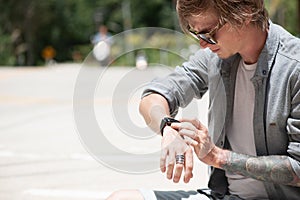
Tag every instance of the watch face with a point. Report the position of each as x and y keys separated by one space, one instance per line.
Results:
x=169 y=121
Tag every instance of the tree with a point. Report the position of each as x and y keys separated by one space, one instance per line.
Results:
x=285 y=13
x=28 y=26
x=41 y=23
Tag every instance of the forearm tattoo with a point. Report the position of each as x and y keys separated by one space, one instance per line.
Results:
x=276 y=169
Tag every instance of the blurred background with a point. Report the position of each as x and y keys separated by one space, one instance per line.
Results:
x=34 y=31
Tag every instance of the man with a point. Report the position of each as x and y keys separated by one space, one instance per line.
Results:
x=101 y=35
x=251 y=68
x=102 y=42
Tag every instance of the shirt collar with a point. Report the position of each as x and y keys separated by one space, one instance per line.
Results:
x=269 y=52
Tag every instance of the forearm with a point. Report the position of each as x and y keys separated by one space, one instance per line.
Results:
x=153 y=108
x=276 y=169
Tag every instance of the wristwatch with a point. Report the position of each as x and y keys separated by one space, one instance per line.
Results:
x=166 y=121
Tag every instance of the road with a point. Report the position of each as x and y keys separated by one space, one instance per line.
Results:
x=46 y=152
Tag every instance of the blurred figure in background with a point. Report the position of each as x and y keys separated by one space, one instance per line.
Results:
x=48 y=54
x=101 y=35
x=102 y=42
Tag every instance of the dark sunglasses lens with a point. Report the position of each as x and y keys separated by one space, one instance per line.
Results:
x=206 y=39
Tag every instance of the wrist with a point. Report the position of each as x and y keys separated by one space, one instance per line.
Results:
x=166 y=121
x=217 y=157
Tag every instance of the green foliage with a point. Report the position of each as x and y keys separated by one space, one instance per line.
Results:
x=28 y=26
x=290 y=21
x=158 y=48
x=67 y=25
x=285 y=13
x=6 y=53
x=159 y=13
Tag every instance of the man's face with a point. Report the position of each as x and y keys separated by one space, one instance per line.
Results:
x=228 y=40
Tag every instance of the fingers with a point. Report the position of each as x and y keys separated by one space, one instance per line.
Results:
x=190 y=124
x=188 y=131
x=173 y=170
x=184 y=125
x=170 y=169
x=163 y=158
x=190 y=139
x=199 y=125
x=174 y=145
x=178 y=172
x=195 y=122
x=189 y=165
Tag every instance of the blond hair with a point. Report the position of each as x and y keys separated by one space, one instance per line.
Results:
x=234 y=12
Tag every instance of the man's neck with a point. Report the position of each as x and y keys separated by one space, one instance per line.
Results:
x=255 y=40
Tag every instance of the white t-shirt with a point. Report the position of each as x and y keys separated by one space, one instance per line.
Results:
x=241 y=135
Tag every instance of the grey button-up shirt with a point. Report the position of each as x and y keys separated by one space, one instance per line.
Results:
x=276 y=118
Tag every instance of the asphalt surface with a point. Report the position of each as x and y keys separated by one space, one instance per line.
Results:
x=46 y=152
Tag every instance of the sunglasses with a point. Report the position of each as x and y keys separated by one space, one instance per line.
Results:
x=207 y=37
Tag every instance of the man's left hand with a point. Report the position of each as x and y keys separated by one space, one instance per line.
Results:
x=196 y=134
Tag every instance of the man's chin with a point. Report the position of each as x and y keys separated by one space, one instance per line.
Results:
x=222 y=56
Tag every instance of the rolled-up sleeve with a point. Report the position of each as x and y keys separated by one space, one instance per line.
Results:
x=185 y=83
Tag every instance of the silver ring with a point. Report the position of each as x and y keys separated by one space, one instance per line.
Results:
x=179 y=159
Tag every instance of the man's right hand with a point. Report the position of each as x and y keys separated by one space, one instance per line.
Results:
x=173 y=144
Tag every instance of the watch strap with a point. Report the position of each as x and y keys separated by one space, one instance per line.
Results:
x=166 y=121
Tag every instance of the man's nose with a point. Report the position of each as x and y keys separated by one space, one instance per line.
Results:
x=204 y=44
